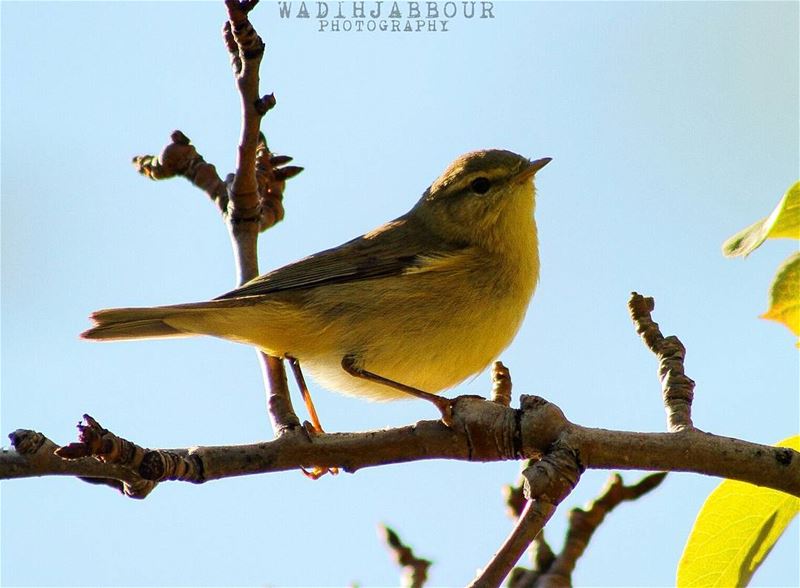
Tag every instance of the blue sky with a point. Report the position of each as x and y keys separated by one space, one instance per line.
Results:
x=671 y=125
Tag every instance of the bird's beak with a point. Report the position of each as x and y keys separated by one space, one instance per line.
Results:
x=533 y=167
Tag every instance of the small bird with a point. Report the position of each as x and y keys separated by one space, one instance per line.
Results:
x=425 y=300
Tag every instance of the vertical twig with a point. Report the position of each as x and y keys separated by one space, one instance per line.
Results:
x=677 y=388
x=244 y=211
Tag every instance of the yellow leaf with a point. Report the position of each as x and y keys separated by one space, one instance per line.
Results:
x=784 y=295
x=734 y=531
x=783 y=222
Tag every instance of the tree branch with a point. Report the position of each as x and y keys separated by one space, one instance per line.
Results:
x=245 y=208
x=415 y=569
x=251 y=201
x=482 y=431
x=547 y=483
x=677 y=388
x=553 y=571
x=180 y=158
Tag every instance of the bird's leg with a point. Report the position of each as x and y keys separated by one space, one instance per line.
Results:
x=443 y=404
x=315 y=426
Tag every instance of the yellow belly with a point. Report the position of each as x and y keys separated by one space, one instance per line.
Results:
x=429 y=329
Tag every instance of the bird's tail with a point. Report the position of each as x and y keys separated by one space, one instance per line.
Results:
x=117 y=324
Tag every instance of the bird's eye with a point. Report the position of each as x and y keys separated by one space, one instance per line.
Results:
x=481 y=185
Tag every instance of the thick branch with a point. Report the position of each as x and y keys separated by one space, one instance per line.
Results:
x=482 y=431
x=690 y=451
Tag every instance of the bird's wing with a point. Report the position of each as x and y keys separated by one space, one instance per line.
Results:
x=390 y=250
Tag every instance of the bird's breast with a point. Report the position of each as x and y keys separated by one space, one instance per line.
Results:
x=430 y=328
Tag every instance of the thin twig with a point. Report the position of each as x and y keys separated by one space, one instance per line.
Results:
x=150 y=466
x=583 y=523
x=501 y=384
x=415 y=569
x=553 y=571
x=515 y=498
x=249 y=198
x=180 y=158
x=247 y=49
x=677 y=388
x=279 y=404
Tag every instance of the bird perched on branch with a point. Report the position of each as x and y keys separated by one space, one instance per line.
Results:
x=423 y=301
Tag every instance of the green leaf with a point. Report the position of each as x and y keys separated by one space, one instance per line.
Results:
x=784 y=295
x=735 y=530
x=783 y=222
